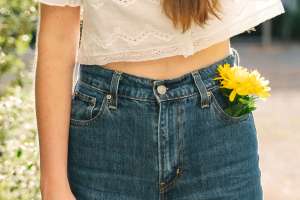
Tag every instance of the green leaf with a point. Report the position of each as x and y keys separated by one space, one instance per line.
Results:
x=19 y=153
x=241 y=106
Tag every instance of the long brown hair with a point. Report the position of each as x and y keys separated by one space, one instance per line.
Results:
x=184 y=12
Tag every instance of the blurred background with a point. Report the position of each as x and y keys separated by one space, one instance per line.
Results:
x=273 y=48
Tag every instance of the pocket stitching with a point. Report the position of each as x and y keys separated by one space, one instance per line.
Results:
x=83 y=122
x=223 y=114
x=85 y=97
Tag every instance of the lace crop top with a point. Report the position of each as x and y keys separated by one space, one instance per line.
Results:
x=137 y=30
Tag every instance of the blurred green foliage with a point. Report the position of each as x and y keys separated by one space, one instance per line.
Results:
x=17 y=25
x=19 y=161
x=19 y=158
x=286 y=26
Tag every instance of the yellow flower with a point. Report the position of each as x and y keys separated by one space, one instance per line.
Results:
x=242 y=82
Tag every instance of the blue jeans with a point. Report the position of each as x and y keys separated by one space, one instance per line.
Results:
x=136 y=138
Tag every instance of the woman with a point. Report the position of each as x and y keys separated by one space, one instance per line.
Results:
x=145 y=120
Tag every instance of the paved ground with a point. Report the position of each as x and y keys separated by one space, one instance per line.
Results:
x=277 y=119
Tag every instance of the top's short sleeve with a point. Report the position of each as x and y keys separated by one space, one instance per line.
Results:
x=72 y=3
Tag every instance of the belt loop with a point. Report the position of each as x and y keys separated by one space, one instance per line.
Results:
x=114 y=84
x=236 y=56
x=205 y=96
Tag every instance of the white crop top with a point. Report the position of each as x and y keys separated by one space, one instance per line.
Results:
x=137 y=30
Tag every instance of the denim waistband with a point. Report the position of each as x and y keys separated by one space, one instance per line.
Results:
x=143 y=88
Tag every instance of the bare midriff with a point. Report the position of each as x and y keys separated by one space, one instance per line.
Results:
x=174 y=66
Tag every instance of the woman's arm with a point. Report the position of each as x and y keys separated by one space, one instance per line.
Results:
x=58 y=38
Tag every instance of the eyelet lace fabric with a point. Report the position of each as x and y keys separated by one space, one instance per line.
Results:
x=73 y=3
x=138 y=30
x=136 y=37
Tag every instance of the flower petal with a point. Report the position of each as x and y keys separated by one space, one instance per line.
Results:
x=232 y=95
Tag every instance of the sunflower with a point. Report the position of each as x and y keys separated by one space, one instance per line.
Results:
x=242 y=82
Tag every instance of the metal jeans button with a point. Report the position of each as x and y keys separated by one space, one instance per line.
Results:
x=161 y=89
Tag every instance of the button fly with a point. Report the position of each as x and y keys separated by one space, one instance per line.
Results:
x=161 y=89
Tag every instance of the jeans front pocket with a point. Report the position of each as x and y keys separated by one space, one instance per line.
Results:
x=220 y=102
x=87 y=106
